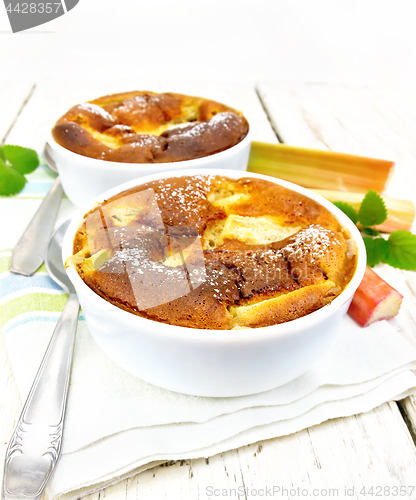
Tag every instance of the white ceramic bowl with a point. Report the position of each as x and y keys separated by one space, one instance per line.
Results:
x=213 y=362
x=84 y=178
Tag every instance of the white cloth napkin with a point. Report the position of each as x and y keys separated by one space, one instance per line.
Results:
x=117 y=424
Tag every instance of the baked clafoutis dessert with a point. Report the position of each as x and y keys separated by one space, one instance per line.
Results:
x=210 y=252
x=146 y=127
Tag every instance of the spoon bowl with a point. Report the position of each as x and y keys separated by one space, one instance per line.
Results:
x=47 y=155
x=53 y=258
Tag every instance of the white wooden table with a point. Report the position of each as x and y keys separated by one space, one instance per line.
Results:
x=372 y=449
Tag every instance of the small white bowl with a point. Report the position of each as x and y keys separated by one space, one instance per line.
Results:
x=213 y=363
x=84 y=178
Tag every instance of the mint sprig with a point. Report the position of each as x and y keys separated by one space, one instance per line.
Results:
x=348 y=210
x=402 y=250
x=11 y=181
x=372 y=210
x=399 y=250
x=15 y=163
x=377 y=250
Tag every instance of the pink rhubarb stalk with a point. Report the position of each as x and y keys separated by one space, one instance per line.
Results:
x=374 y=300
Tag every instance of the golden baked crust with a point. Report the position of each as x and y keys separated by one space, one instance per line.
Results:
x=145 y=127
x=211 y=252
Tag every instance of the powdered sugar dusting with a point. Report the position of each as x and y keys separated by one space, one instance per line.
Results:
x=314 y=241
x=97 y=111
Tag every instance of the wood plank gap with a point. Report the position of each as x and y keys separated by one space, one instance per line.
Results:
x=407 y=408
x=263 y=105
x=18 y=113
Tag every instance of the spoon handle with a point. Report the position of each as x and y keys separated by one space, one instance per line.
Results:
x=28 y=254
x=35 y=445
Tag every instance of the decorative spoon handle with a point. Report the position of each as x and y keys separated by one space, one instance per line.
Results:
x=35 y=445
x=29 y=252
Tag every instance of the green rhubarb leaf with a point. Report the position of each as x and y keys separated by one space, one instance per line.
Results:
x=372 y=210
x=348 y=210
x=377 y=250
x=402 y=250
x=24 y=160
x=11 y=181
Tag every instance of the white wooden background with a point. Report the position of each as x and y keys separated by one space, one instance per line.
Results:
x=375 y=448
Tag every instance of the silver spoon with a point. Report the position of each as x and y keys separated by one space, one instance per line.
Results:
x=29 y=252
x=35 y=445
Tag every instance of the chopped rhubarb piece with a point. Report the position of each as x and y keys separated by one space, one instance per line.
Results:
x=374 y=300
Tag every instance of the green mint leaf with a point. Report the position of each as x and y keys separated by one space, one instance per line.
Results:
x=377 y=250
x=372 y=210
x=11 y=181
x=370 y=231
x=24 y=160
x=348 y=210
x=402 y=250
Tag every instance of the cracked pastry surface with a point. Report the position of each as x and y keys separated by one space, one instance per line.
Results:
x=211 y=252
x=146 y=127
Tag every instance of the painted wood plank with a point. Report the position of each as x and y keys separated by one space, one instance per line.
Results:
x=13 y=96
